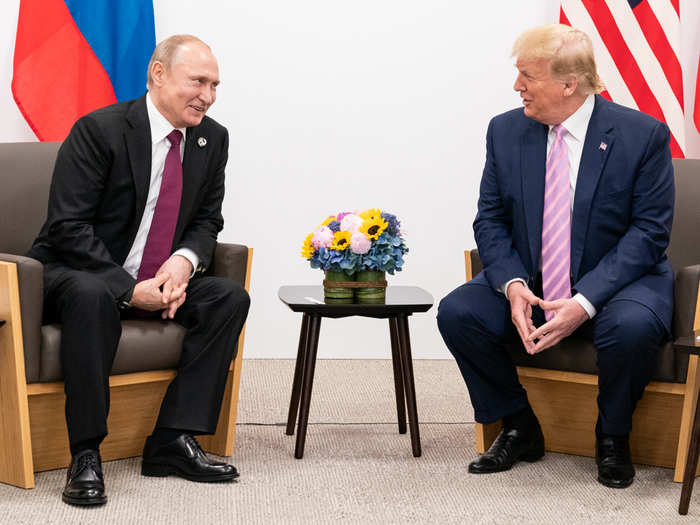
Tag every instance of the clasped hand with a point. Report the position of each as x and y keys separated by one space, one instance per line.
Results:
x=568 y=316
x=165 y=291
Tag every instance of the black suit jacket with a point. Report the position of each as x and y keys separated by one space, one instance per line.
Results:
x=99 y=190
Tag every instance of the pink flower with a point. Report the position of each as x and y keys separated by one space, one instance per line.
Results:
x=359 y=243
x=322 y=238
x=350 y=223
x=341 y=215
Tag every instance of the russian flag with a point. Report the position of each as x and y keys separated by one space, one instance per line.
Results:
x=74 y=56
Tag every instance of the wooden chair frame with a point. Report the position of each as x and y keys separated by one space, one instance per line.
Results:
x=565 y=404
x=33 y=433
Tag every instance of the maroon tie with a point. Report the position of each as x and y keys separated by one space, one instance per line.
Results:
x=160 y=237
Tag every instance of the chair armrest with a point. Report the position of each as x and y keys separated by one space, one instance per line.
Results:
x=231 y=260
x=30 y=274
x=474 y=264
x=685 y=300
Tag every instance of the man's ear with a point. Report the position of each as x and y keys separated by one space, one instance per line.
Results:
x=570 y=85
x=157 y=73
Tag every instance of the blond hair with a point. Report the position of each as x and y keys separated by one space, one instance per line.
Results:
x=568 y=50
x=165 y=52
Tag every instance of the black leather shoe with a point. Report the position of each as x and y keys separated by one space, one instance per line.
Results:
x=615 y=467
x=511 y=445
x=85 y=484
x=185 y=458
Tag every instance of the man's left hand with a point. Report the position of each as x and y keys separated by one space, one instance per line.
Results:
x=180 y=269
x=568 y=316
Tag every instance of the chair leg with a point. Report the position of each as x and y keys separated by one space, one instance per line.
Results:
x=16 y=465
x=409 y=386
x=307 y=384
x=398 y=379
x=692 y=389
x=691 y=464
x=298 y=375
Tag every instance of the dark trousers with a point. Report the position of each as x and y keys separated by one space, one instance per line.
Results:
x=213 y=315
x=475 y=323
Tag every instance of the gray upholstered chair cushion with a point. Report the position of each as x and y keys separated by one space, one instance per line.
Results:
x=144 y=345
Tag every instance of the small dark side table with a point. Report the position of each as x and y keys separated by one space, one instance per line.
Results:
x=401 y=302
x=690 y=344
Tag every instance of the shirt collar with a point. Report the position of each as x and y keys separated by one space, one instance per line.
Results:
x=577 y=123
x=160 y=127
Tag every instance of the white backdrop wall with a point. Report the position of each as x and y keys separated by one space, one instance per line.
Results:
x=336 y=105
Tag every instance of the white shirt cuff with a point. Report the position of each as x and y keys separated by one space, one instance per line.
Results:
x=586 y=304
x=504 y=288
x=190 y=256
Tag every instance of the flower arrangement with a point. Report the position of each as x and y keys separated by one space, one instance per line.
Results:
x=352 y=242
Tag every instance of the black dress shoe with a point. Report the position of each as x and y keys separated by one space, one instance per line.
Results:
x=511 y=445
x=615 y=467
x=85 y=484
x=185 y=458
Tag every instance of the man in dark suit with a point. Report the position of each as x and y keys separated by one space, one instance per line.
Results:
x=574 y=217
x=134 y=212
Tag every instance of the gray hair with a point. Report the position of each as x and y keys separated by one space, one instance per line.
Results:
x=165 y=52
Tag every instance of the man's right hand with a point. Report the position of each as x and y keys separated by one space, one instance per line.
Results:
x=521 y=302
x=148 y=295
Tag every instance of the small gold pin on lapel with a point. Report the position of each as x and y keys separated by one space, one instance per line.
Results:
x=201 y=142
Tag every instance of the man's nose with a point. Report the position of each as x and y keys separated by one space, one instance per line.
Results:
x=207 y=94
x=518 y=85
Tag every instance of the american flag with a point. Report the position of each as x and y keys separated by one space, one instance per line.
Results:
x=637 y=49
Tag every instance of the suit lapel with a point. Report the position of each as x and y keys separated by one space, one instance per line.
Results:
x=532 y=169
x=600 y=138
x=138 y=145
x=193 y=164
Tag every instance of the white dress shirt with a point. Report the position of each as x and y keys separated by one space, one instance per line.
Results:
x=576 y=126
x=160 y=145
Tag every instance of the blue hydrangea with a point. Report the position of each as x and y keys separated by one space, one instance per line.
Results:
x=394 y=224
x=334 y=226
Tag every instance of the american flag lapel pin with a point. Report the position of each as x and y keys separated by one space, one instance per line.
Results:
x=603 y=146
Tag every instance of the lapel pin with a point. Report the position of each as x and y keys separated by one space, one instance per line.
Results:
x=603 y=146
x=201 y=142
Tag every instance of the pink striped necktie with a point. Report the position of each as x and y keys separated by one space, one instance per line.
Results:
x=160 y=236
x=556 y=223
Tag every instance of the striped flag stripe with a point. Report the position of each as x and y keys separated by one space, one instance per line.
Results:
x=665 y=55
x=649 y=67
x=616 y=88
x=616 y=28
x=669 y=21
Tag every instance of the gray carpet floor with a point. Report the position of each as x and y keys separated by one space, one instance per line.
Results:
x=358 y=469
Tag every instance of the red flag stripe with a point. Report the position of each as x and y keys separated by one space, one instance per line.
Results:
x=677 y=7
x=661 y=47
x=626 y=64
x=696 y=111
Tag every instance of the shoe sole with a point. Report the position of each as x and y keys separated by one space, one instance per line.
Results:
x=614 y=484
x=155 y=470
x=84 y=502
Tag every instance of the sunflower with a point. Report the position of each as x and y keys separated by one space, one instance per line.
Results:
x=371 y=213
x=328 y=221
x=341 y=240
x=307 y=249
x=373 y=227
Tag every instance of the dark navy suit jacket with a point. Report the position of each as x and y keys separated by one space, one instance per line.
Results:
x=622 y=215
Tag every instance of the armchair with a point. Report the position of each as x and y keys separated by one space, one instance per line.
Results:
x=562 y=382
x=33 y=435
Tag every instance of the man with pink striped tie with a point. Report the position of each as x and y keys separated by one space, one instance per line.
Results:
x=574 y=217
